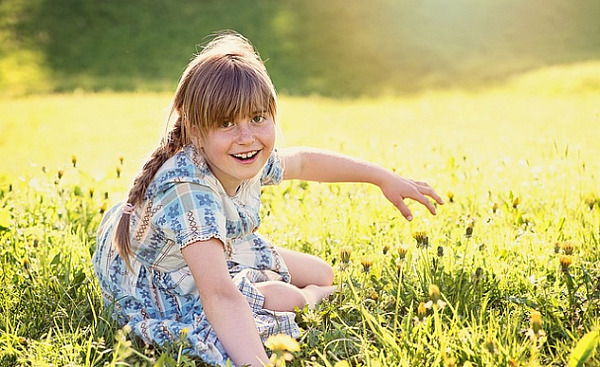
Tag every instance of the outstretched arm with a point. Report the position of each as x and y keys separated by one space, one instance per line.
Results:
x=226 y=308
x=324 y=166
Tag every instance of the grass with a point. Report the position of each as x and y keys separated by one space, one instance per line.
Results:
x=519 y=233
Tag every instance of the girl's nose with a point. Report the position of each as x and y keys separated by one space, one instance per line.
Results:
x=245 y=134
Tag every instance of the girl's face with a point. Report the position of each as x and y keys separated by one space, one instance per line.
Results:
x=237 y=150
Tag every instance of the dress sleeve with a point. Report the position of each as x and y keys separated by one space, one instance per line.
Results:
x=272 y=173
x=190 y=212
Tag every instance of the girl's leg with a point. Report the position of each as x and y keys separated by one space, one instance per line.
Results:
x=281 y=296
x=306 y=269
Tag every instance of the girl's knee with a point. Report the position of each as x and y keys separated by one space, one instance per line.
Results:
x=326 y=275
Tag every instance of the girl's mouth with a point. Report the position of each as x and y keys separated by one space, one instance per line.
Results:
x=247 y=156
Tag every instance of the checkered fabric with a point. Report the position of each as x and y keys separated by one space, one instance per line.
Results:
x=185 y=203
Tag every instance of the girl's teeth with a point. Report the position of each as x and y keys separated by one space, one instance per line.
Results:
x=245 y=155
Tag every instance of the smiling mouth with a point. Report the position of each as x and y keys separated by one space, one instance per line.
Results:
x=246 y=156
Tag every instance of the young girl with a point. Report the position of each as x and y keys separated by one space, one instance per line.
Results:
x=184 y=253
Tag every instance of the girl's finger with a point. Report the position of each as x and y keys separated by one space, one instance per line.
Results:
x=403 y=209
x=423 y=200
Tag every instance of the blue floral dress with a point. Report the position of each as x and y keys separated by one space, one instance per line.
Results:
x=186 y=203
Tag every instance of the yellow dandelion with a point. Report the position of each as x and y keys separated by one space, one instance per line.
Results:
x=421 y=311
x=536 y=321
x=565 y=262
x=516 y=201
x=281 y=345
x=121 y=159
x=366 y=262
x=495 y=207
x=60 y=173
x=184 y=333
x=421 y=238
x=450 y=362
x=568 y=248
x=345 y=253
x=374 y=296
x=402 y=250
x=434 y=293
x=282 y=342
x=118 y=170
x=450 y=195
x=74 y=160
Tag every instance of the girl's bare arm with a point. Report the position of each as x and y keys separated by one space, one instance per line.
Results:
x=321 y=165
x=226 y=308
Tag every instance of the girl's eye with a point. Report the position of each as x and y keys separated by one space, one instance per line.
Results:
x=226 y=124
x=258 y=119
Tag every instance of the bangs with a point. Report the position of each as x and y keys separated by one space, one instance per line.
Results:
x=225 y=88
x=238 y=93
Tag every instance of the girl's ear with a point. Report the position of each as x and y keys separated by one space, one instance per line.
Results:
x=196 y=137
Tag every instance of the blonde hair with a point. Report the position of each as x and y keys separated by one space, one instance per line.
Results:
x=225 y=81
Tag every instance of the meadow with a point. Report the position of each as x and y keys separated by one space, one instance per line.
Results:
x=505 y=275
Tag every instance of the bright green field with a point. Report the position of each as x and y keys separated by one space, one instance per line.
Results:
x=517 y=165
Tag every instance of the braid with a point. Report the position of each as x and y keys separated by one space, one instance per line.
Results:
x=170 y=145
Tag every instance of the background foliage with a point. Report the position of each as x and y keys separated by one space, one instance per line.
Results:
x=337 y=48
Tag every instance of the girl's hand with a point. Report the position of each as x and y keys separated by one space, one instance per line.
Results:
x=397 y=188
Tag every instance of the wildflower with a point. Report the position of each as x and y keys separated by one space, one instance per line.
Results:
x=60 y=173
x=345 y=253
x=374 y=296
x=450 y=362
x=121 y=159
x=565 y=262
x=421 y=238
x=536 y=322
x=513 y=362
x=434 y=293
x=591 y=201
x=366 y=262
x=281 y=345
x=557 y=247
x=118 y=170
x=126 y=329
x=103 y=207
x=184 y=333
x=106 y=195
x=341 y=364
x=91 y=191
x=386 y=248
x=515 y=203
x=74 y=160
x=469 y=230
x=440 y=251
x=26 y=262
x=450 y=195
x=402 y=250
x=399 y=266
x=494 y=207
x=421 y=311
x=568 y=248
